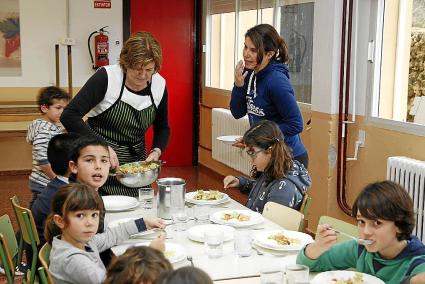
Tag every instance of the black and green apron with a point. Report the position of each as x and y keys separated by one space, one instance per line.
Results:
x=123 y=127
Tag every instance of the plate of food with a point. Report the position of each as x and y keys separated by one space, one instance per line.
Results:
x=229 y=139
x=282 y=240
x=116 y=203
x=173 y=252
x=237 y=218
x=345 y=277
x=206 y=196
x=196 y=233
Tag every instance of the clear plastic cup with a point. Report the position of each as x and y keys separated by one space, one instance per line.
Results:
x=243 y=243
x=180 y=219
x=214 y=243
x=146 y=195
x=296 y=274
x=201 y=213
x=271 y=276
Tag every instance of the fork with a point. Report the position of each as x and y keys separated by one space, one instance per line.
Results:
x=363 y=242
x=190 y=259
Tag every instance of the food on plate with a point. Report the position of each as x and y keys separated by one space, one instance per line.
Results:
x=282 y=240
x=169 y=253
x=356 y=279
x=138 y=167
x=236 y=215
x=208 y=195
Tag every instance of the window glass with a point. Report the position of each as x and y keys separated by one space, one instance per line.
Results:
x=400 y=93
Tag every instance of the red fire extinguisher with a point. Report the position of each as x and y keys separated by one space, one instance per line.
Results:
x=101 y=48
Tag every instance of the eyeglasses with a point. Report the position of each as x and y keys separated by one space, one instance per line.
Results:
x=253 y=154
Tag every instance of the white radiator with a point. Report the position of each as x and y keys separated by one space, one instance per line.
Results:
x=223 y=123
x=410 y=173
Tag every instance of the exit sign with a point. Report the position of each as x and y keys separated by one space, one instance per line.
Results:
x=102 y=4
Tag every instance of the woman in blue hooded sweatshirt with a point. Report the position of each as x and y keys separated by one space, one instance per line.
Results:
x=262 y=88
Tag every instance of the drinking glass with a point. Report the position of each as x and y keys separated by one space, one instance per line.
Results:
x=296 y=273
x=201 y=213
x=180 y=218
x=146 y=195
x=270 y=276
x=243 y=243
x=214 y=243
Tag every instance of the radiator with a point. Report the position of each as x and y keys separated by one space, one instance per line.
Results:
x=410 y=173
x=223 y=123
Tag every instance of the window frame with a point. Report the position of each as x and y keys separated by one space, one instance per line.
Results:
x=374 y=82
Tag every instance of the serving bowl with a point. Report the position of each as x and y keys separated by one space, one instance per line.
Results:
x=138 y=174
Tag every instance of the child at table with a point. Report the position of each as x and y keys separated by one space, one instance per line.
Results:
x=384 y=213
x=137 y=265
x=277 y=177
x=71 y=230
x=185 y=275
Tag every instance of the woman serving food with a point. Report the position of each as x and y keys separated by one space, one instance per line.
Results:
x=121 y=102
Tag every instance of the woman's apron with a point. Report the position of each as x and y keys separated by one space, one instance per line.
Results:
x=124 y=128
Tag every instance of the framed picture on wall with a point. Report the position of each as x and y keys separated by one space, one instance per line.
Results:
x=10 y=38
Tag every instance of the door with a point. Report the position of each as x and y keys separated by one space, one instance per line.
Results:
x=173 y=24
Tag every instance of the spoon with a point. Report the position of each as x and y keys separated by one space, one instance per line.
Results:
x=363 y=242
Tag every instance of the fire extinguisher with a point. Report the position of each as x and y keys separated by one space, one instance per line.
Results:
x=101 y=48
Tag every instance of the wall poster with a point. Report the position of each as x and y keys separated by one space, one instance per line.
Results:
x=10 y=38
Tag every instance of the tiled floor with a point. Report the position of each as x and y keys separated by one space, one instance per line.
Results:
x=196 y=178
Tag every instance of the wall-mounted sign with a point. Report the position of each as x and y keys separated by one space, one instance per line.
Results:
x=102 y=4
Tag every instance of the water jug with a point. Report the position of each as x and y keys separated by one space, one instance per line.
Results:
x=171 y=193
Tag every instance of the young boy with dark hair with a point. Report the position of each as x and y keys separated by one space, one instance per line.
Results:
x=58 y=155
x=51 y=100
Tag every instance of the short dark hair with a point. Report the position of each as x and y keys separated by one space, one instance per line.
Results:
x=59 y=150
x=185 y=275
x=138 y=264
x=47 y=95
x=387 y=200
x=84 y=141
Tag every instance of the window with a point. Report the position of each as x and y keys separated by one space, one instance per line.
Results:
x=227 y=22
x=399 y=87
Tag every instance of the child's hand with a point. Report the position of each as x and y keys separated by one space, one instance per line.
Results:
x=230 y=181
x=238 y=143
x=154 y=222
x=325 y=238
x=159 y=242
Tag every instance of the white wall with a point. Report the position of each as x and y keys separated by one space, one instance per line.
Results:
x=43 y=24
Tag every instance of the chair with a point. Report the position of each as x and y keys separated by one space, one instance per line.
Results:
x=340 y=226
x=44 y=255
x=8 y=247
x=284 y=216
x=304 y=209
x=29 y=234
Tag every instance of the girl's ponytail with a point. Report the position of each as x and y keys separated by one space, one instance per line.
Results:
x=51 y=229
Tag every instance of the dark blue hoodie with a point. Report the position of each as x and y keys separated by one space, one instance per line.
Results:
x=269 y=95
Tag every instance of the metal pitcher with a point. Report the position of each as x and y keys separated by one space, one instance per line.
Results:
x=171 y=193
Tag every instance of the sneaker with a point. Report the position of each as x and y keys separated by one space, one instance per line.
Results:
x=21 y=269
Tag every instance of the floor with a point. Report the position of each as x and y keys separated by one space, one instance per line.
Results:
x=196 y=178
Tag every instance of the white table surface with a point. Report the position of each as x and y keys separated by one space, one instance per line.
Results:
x=229 y=266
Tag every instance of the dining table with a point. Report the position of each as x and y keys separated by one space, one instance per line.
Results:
x=229 y=268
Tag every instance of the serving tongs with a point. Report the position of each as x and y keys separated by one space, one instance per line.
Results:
x=117 y=172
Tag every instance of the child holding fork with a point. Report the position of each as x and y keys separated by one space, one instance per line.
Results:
x=385 y=217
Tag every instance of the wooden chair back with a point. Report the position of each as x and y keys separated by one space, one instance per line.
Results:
x=284 y=216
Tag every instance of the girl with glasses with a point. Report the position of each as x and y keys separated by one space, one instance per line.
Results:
x=277 y=177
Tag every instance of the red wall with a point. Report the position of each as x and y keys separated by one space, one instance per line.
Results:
x=172 y=23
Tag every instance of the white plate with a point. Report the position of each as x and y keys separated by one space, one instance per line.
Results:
x=262 y=239
x=189 y=198
x=119 y=203
x=328 y=276
x=228 y=139
x=174 y=252
x=254 y=218
x=196 y=233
